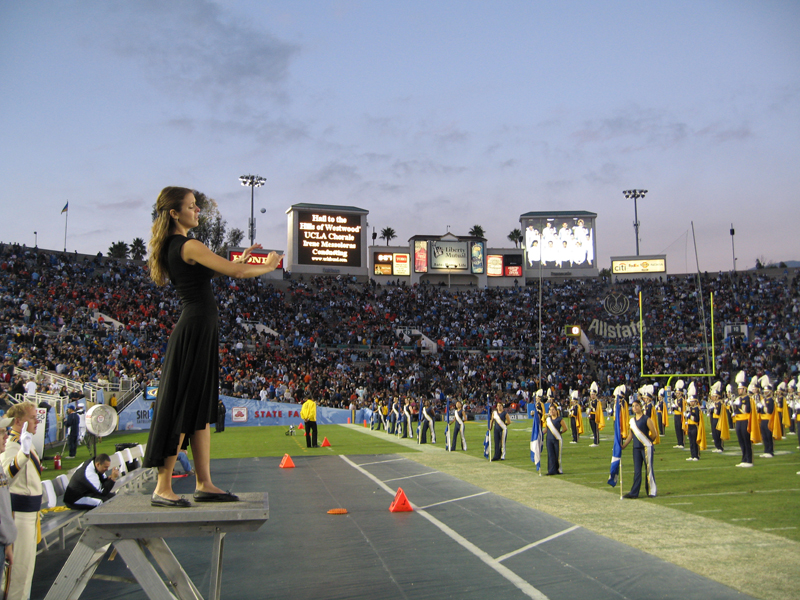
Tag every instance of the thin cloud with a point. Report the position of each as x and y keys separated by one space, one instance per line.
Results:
x=721 y=134
x=451 y=136
x=643 y=127
x=121 y=205
x=190 y=46
x=558 y=185
x=607 y=174
x=410 y=168
x=336 y=173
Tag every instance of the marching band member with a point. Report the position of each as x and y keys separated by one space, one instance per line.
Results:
x=695 y=425
x=405 y=419
x=597 y=420
x=385 y=415
x=782 y=408
x=796 y=405
x=394 y=416
x=22 y=470
x=718 y=413
x=555 y=427
x=500 y=423
x=426 y=418
x=729 y=398
x=661 y=411
x=575 y=417
x=741 y=409
x=678 y=408
x=643 y=431
x=374 y=418
x=460 y=419
x=770 y=421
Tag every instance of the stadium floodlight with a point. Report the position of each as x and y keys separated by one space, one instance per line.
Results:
x=572 y=330
x=635 y=194
x=252 y=181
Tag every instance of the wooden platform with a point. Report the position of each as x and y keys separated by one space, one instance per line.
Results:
x=132 y=525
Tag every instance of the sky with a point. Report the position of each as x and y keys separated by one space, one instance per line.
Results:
x=434 y=116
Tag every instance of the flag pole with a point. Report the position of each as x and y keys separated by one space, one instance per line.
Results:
x=536 y=416
x=447 y=426
x=620 y=475
x=619 y=410
x=66 y=220
x=489 y=427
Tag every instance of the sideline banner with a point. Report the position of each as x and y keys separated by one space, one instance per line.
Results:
x=136 y=416
x=255 y=413
x=245 y=413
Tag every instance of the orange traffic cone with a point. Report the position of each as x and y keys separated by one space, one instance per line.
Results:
x=286 y=462
x=348 y=420
x=400 y=502
x=300 y=426
x=365 y=423
x=326 y=443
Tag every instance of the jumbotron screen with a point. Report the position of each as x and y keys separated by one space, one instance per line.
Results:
x=325 y=238
x=559 y=242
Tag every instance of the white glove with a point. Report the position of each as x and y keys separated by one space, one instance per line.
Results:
x=25 y=439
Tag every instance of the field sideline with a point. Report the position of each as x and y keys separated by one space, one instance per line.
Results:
x=736 y=526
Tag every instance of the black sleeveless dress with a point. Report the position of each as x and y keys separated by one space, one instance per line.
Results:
x=188 y=391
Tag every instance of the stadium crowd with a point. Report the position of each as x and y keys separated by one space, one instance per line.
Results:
x=340 y=336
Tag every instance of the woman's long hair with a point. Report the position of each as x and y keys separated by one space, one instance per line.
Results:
x=170 y=198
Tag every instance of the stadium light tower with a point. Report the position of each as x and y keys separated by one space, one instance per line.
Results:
x=252 y=181
x=733 y=249
x=635 y=194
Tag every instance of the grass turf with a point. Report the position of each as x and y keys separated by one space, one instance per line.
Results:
x=764 y=498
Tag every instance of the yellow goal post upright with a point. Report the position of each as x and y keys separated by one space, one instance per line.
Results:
x=671 y=375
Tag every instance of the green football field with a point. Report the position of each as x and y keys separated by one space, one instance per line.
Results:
x=763 y=498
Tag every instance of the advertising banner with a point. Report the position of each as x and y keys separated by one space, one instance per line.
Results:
x=476 y=260
x=247 y=413
x=494 y=265
x=255 y=413
x=136 y=416
x=420 y=256
x=401 y=264
x=257 y=257
x=450 y=255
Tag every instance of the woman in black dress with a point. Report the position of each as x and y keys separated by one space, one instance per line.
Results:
x=188 y=390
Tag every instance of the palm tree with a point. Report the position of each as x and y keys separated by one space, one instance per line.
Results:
x=235 y=237
x=138 y=249
x=477 y=231
x=515 y=236
x=388 y=234
x=118 y=250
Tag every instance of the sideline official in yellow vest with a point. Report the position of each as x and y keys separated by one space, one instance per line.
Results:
x=309 y=415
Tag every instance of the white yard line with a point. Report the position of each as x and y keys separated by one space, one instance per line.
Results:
x=534 y=544
x=412 y=476
x=525 y=587
x=381 y=462
x=455 y=500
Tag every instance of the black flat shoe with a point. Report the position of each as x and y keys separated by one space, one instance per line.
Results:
x=215 y=497
x=162 y=502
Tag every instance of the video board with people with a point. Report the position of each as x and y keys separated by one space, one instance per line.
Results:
x=565 y=241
